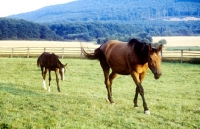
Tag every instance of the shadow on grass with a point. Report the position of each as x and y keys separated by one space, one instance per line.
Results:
x=5 y=126
x=16 y=90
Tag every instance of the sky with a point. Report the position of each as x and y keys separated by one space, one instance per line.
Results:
x=10 y=7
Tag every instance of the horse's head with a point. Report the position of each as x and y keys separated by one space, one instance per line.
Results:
x=154 y=61
x=62 y=72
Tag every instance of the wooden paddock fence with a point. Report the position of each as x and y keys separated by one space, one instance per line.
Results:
x=75 y=52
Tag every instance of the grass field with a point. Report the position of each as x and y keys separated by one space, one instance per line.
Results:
x=174 y=99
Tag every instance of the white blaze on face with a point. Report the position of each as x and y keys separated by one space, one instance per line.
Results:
x=63 y=71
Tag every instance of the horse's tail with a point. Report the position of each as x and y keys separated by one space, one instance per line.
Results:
x=96 y=55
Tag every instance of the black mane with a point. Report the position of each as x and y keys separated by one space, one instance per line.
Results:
x=141 y=49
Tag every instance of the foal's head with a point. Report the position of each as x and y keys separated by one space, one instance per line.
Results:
x=154 y=61
x=62 y=72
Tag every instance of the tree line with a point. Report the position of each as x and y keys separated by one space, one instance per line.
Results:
x=91 y=31
x=123 y=31
x=24 y=30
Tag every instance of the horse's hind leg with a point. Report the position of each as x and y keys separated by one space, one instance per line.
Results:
x=112 y=76
x=106 y=69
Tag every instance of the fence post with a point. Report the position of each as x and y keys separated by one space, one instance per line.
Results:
x=27 y=52
x=44 y=49
x=181 y=56
x=62 y=52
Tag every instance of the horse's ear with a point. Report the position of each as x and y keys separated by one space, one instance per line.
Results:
x=150 y=47
x=159 y=48
x=65 y=65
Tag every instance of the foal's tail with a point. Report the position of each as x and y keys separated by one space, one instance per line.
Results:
x=96 y=55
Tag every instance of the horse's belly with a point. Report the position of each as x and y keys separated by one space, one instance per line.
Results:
x=125 y=72
x=120 y=69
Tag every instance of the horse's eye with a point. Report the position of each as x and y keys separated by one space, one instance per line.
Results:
x=150 y=59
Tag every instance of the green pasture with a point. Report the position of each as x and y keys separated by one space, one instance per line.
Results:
x=174 y=99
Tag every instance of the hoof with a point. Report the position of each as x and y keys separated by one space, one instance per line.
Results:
x=112 y=104
x=44 y=88
x=107 y=100
x=136 y=107
x=147 y=112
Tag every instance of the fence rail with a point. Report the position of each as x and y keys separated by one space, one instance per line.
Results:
x=27 y=52
x=66 y=52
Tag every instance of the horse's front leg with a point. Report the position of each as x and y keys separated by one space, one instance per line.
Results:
x=49 y=80
x=139 y=89
x=136 y=96
x=44 y=71
x=57 y=79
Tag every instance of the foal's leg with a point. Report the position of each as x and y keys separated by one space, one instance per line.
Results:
x=44 y=71
x=57 y=79
x=139 y=89
x=49 y=80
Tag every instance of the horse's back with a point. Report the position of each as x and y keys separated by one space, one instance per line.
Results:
x=40 y=59
x=115 y=53
x=113 y=47
x=47 y=59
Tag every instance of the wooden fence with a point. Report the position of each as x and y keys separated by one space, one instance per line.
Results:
x=75 y=52
x=63 y=52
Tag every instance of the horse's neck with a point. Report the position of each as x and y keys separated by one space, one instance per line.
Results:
x=59 y=64
x=139 y=56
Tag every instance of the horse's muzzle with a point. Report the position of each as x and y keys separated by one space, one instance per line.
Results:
x=157 y=75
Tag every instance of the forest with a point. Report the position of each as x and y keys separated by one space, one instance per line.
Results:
x=14 y=29
x=126 y=11
x=102 y=20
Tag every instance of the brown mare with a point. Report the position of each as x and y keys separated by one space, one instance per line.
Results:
x=50 y=62
x=132 y=58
